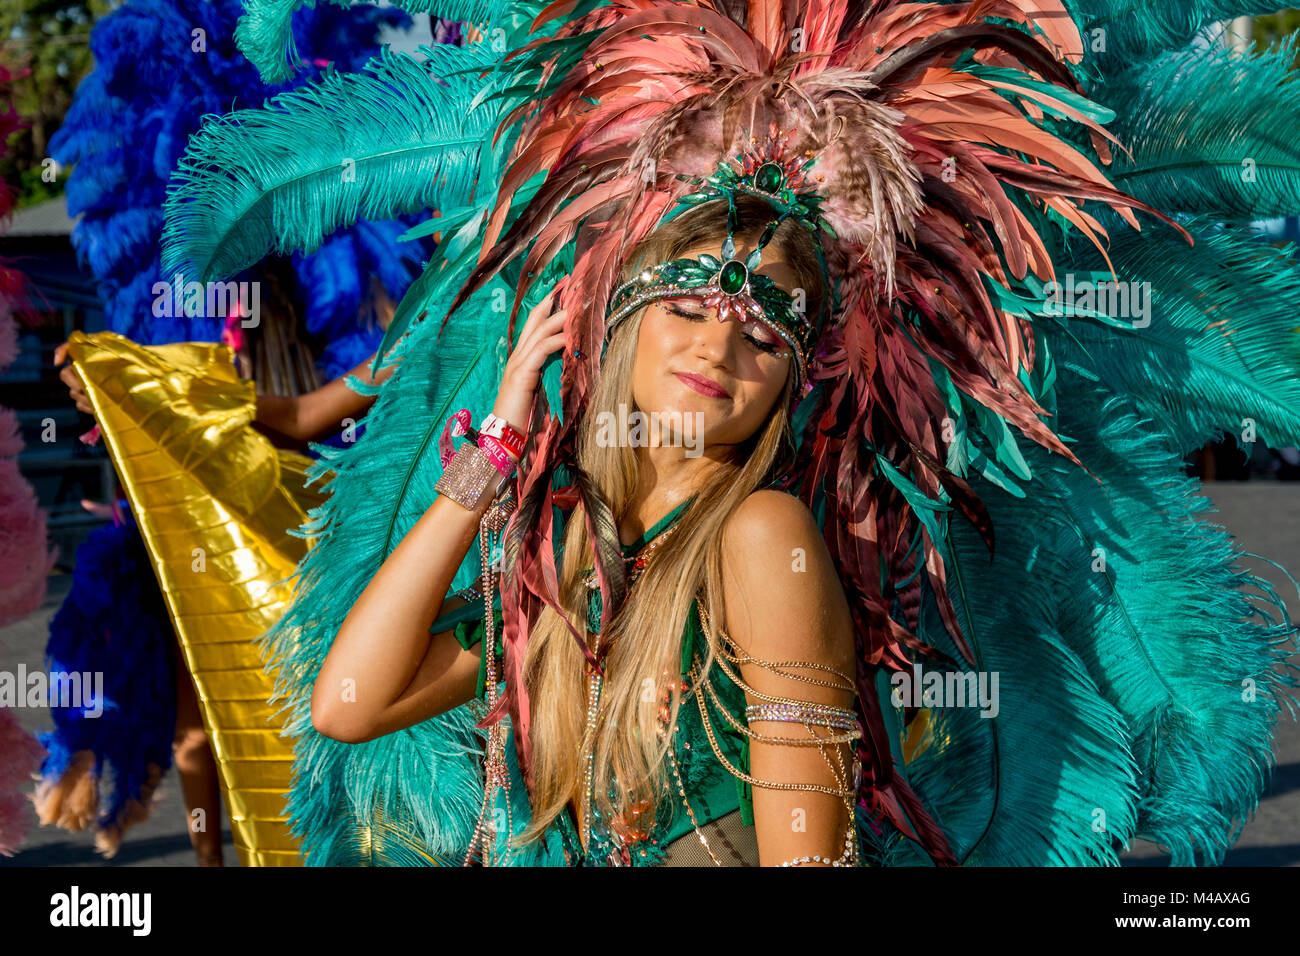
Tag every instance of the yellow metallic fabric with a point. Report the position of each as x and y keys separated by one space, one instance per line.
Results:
x=214 y=500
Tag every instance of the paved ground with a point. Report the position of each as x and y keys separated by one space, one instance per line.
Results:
x=1265 y=516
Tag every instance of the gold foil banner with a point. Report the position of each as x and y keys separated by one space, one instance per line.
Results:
x=214 y=500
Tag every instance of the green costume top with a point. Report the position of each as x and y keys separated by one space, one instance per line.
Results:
x=711 y=789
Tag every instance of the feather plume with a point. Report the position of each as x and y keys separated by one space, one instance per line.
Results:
x=128 y=126
x=265 y=32
x=1194 y=149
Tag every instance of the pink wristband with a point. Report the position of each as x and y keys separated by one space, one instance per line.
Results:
x=504 y=446
x=497 y=455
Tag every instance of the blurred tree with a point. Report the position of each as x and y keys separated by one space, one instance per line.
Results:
x=50 y=38
x=1268 y=30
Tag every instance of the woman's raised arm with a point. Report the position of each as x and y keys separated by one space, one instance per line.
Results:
x=323 y=411
x=385 y=671
x=291 y=421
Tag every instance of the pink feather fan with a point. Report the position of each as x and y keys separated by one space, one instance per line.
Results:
x=25 y=561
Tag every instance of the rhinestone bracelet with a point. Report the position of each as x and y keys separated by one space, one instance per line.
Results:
x=467 y=476
x=821 y=715
x=847 y=858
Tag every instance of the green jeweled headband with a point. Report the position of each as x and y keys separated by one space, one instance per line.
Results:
x=729 y=284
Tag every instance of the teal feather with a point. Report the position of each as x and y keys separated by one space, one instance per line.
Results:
x=964 y=454
x=456 y=254
x=927 y=510
x=1210 y=132
x=1157 y=614
x=1222 y=345
x=265 y=31
x=1120 y=32
x=272 y=180
x=427 y=778
x=1044 y=95
x=1137 y=664
x=1005 y=792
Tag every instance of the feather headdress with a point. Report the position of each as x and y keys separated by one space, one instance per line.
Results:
x=925 y=165
x=129 y=124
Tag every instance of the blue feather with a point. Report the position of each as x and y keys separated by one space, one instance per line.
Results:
x=114 y=622
x=131 y=119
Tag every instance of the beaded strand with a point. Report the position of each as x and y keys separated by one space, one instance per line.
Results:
x=681 y=789
x=496 y=773
x=851 y=850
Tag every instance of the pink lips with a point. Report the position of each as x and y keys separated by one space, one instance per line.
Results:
x=703 y=385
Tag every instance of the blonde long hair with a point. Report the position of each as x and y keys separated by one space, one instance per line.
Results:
x=645 y=635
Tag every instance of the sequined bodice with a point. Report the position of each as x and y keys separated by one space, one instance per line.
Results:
x=709 y=789
x=697 y=778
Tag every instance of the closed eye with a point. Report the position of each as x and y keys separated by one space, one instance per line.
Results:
x=770 y=348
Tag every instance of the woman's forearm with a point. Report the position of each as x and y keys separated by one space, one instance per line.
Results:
x=395 y=672
x=323 y=411
x=279 y=415
x=385 y=638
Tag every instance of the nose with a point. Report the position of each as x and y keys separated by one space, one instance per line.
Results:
x=716 y=338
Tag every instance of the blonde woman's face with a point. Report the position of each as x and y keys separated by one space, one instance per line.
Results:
x=746 y=362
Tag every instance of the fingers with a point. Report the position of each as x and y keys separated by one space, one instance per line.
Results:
x=551 y=343
x=70 y=378
x=542 y=335
x=76 y=389
x=537 y=315
x=540 y=323
x=99 y=509
x=547 y=336
x=59 y=353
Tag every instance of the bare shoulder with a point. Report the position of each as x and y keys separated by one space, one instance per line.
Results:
x=782 y=594
x=768 y=517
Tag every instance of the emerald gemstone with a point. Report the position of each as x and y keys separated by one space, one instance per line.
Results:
x=733 y=276
x=769 y=177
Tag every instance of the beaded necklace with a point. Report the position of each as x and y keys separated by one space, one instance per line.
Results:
x=636 y=564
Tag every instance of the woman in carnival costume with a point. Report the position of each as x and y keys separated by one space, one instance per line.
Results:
x=836 y=233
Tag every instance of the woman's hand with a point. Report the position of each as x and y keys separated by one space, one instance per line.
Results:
x=542 y=336
x=70 y=378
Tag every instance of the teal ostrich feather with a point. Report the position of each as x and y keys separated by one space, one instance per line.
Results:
x=1210 y=132
x=411 y=797
x=265 y=31
x=1220 y=350
x=1123 y=31
x=282 y=178
x=1124 y=628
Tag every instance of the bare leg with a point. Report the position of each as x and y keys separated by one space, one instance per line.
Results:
x=197 y=769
